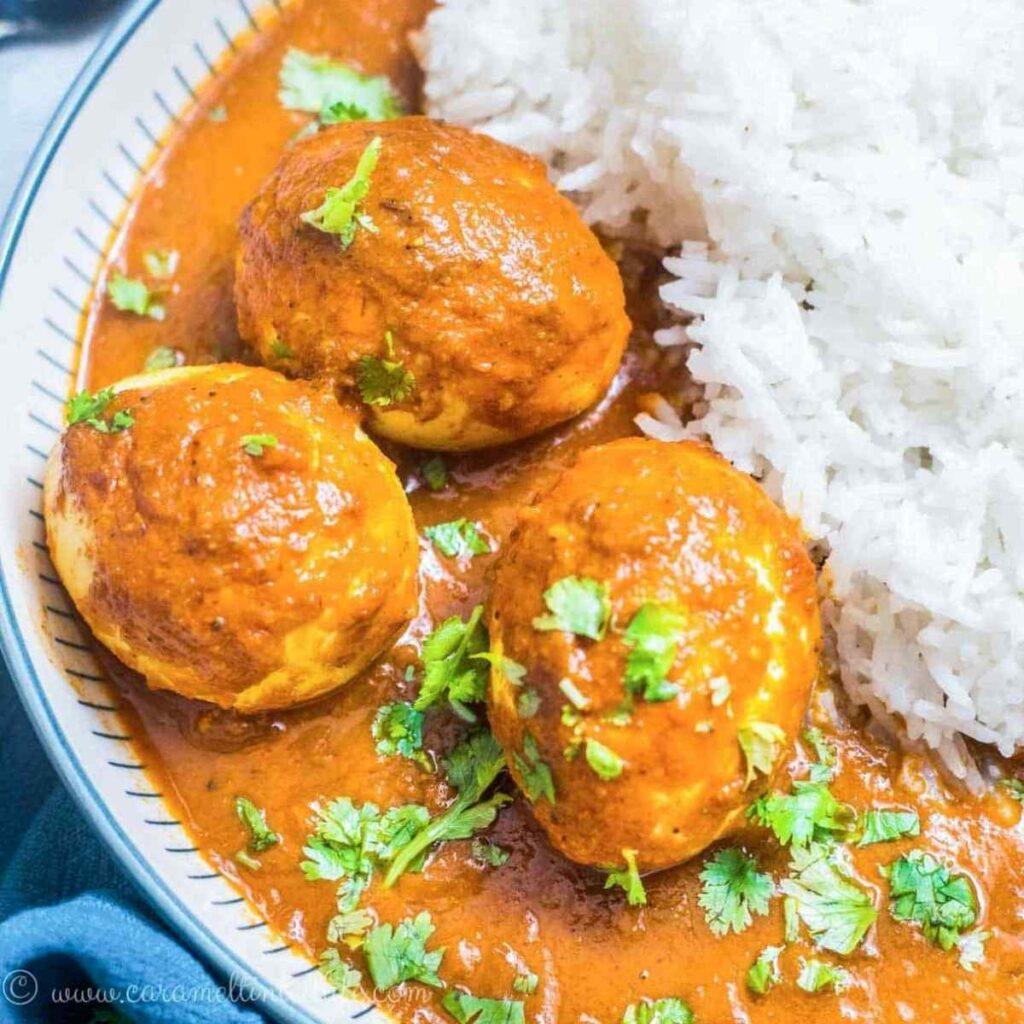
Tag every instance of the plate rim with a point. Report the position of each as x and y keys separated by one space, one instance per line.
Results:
x=183 y=921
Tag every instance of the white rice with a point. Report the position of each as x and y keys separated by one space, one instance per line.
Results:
x=866 y=156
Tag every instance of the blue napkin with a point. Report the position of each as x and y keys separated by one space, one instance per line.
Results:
x=70 y=920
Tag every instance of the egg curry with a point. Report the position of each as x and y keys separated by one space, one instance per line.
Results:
x=495 y=708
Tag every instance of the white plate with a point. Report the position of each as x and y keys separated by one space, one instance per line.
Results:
x=70 y=198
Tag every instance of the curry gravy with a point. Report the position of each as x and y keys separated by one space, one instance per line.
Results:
x=593 y=954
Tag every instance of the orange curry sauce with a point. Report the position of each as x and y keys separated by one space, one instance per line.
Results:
x=593 y=954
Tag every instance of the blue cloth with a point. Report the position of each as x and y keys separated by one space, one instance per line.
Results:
x=70 y=917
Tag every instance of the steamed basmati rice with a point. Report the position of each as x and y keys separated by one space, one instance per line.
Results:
x=859 y=167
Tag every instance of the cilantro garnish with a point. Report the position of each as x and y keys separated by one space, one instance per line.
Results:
x=261 y=836
x=825 y=767
x=603 y=761
x=884 y=826
x=343 y=978
x=817 y=976
x=526 y=984
x=434 y=473
x=1014 y=787
x=131 y=295
x=924 y=891
x=733 y=891
x=394 y=955
x=528 y=703
x=576 y=605
x=512 y=670
x=398 y=731
x=330 y=89
x=658 y=1011
x=628 y=879
x=471 y=768
x=451 y=668
x=809 y=814
x=458 y=539
x=653 y=635
x=467 y=1009
x=837 y=912
x=383 y=382
x=350 y=926
x=574 y=695
x=163 y=358
x=339 y=213
x=256 y=444
x=279 y=350
x=489 y=853
x=536 y=775
x=764 y=971
x=89 y=409
x=761 y=743
x=160 y=263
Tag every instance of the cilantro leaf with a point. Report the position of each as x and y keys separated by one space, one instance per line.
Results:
x=394 y=955
x=528 y=703
x=398 y=731
x=131 y=295
x=658 y=1011
x=817 y=976
x=924 y=891
x=383 y=382
x=576 y=605
x=160 y=263
x=733 y=891
x=256 y=444
x=536 y=775
x=764 y=971
x=603 y=761
x=457 y=539
x=653 y=634
x=824 y=768
x=471 y=768
x=467 y=1009
x=89 y=409
x=489 y=853
x=398 y=827
x=349 y=927
x=809 y=814
x=835 y=910
x=163 y=358
x=512 y=670
x=884 y=826
x=319 y=85
x=261 y=837
x=342 y=977
x=1014 y=787
x=434 y=473
x=525 y=983
x=761 y=743
x=628 y=879
x=339 y=213
x=451 y=668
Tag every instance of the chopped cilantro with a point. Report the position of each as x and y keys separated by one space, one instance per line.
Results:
x=342 y=977
x=394 y=955
x=339 y=213
x=536 y=775
x=733 y=891
x=349 y=927
x=825 y=767
x=512 y=670
x=467 y=1009
x=458 y=539
x=383 y=382
x=489 y=853
x=817 y=976
x=434 y=473
x=603 y=761
x=790 y=920
x=525 y=984
x=528 y=703
x=1014 y=787
x=328 y=88
x=471 y=768
x=256 y=444
x=883 y=826
x=451 y=668
x=835 y=910
x=658 y=1011
x=761 y=743
x=131 y=295
x=924 y=891
x=89 y=409
x=574 y=695
x=576 y=605
x=279 y=350
x=972 y=949
x=764 y=971
x=398 y=731
x=628 y=879
x=247 y=860
x=218 y=114
x=653 y=634
x=160 y=263
x=163 y=358
x=261 y=837
x=809 y=814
